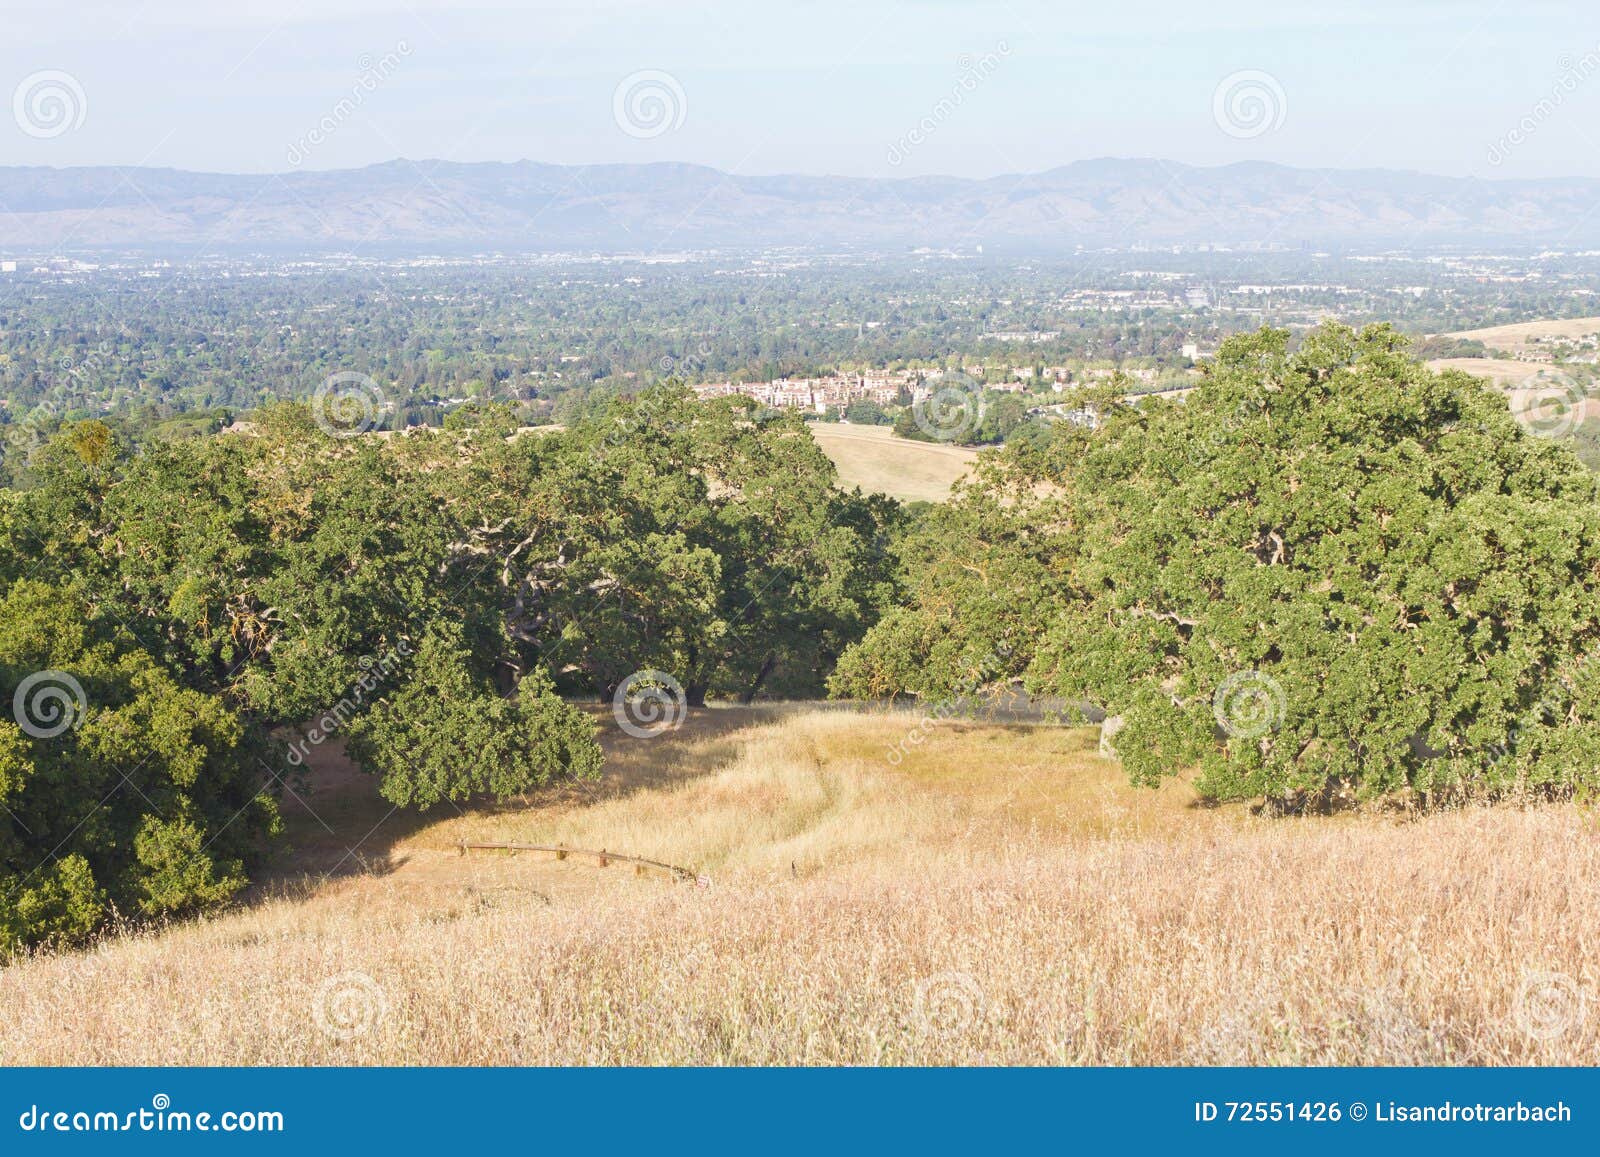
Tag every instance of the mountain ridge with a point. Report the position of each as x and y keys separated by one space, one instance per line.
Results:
x=679 y=205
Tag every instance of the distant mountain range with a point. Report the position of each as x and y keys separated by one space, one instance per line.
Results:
x=671 y=207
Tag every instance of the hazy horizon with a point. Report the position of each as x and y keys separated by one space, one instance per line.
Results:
x=1472 y=89
x=819 y=174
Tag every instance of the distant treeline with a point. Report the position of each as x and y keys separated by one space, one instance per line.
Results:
x=542 y=336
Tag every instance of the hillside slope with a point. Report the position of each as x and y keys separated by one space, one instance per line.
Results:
x=441 y=205
x=996 y=894
x=872 y=458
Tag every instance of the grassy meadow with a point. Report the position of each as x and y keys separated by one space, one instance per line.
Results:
x=1519 y=336
x=879 y=891
x=872 y=458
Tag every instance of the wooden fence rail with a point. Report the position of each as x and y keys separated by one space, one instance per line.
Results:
x=604 y=859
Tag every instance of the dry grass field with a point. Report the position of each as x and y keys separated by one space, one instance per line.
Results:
x=1539 y=394
x=1498 y=370
x=872 y=458
x=1515 y=338
x=998 y=895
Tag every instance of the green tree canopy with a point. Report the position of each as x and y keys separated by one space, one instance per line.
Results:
x=123 y=792
x=1328 y=571
x=446 y=735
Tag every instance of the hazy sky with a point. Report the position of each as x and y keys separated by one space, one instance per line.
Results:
x=837 y=86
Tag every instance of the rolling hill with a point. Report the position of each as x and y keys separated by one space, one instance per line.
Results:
x=632 y=208
x=1000 y=895
x=872 y=458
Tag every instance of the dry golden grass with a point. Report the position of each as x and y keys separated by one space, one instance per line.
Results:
x=1516 y=337
x=1505 y=374
x=1536 y=392
x=872 y=458
x=997 y=896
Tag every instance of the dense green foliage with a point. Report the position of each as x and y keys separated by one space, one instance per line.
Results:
x=124 y=792
x=1326 y=573
x=445 y=735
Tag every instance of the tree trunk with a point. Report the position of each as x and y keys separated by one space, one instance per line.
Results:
x=767 y=665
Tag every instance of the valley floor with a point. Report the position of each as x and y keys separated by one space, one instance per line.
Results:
x=995 y=895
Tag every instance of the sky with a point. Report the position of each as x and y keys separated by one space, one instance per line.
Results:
x=856 y=87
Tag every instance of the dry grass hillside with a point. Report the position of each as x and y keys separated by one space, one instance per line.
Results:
x=1521 y=335
x=872 y=458
x=1503 y=373
x=997 y=895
